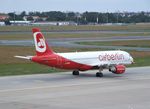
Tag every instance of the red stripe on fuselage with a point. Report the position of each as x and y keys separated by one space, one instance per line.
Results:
x=57 y=61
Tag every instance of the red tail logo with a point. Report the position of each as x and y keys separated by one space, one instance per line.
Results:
x=39 y=42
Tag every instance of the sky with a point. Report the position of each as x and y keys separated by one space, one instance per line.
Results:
x=74 y=5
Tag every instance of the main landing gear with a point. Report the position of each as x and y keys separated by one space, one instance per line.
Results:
x=75 y=72
x=99 y=74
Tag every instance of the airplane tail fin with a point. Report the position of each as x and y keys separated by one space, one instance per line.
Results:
x=41 y=45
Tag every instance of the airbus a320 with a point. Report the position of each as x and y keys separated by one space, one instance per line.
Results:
x=115 y=61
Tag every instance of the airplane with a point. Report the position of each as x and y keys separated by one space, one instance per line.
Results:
x=115 y=61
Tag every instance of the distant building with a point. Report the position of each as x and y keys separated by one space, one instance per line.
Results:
x=3 y=17
x=2 y=23
x=44 y=18
x=66 y=23
x=55 y=23
x=20 y=22
x=35 y=18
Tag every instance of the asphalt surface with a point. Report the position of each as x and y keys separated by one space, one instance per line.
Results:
x=65 y=91
x=70 y=42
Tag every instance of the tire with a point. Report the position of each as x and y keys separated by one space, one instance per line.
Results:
x=98 y=74
x=75 y=73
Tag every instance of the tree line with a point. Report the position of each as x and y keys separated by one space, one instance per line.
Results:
x=86 y=17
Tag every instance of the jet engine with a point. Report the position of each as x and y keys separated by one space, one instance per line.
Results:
x=118 y=69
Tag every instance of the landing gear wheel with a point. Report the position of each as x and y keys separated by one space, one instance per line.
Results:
x=75 y=73
x=98 y=74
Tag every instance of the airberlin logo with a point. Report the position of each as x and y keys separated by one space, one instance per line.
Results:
x=111 y=57
x=39 y=42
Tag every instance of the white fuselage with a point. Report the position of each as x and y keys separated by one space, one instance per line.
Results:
x=99 y=58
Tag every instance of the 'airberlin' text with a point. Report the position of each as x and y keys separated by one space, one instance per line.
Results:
x=111 y=57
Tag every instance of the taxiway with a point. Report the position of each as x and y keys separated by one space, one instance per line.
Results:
x=65 y=91
x=71 y=42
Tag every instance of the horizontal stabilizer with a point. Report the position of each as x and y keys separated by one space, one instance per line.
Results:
x=24 y=57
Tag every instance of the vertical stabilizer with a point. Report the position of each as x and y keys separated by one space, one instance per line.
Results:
x=41 y=45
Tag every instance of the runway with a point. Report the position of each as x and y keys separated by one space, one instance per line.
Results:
x=65 y=91
x=71 y=42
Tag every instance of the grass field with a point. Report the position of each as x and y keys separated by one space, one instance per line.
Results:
x=25 y=68
x=5 y=35
x=26 y=36
x=131 y=27
x=13 y=66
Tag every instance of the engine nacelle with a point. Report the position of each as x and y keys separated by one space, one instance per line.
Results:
x=118 y=69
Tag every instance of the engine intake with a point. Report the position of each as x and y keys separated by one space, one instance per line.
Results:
x=118 y=69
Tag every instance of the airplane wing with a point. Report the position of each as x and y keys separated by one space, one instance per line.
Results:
x=24 y=57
